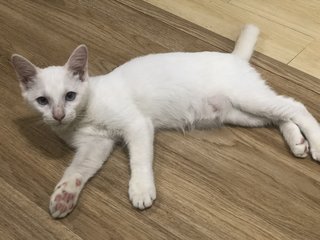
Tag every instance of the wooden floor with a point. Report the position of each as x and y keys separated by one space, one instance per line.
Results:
x=230 y=183
x=290 y=28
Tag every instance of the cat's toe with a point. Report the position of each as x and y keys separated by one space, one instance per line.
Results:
x=65 y=197
x=142 y=195
x=142 y=201
x=62 y=203
x=315 y=151
x=315 y=155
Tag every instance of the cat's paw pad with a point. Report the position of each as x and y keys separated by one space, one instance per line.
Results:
x=301 y=149
x=65 y=196
x=142 y=194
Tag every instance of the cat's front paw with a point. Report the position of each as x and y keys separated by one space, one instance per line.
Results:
x=142 y=193
x=65 y=196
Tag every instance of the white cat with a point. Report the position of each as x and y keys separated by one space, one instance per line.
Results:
x=171 y=90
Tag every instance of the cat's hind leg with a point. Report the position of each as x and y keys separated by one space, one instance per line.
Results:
x=283 y=109
x=297 y=143
x=291 y=133
x=237 y=117
x=91 y=153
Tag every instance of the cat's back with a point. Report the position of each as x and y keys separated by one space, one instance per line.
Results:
x=174 y=62
x=183 y=67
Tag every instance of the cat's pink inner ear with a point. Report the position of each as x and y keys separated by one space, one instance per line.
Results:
x=25 y=70
x=78 y=61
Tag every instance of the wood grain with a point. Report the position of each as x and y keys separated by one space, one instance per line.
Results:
x=289 y=28
x=299 y=15
x=277 y=41
x=230 y=183
x=309 y=59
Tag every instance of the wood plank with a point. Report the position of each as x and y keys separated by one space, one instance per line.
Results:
x=21 y=218
x=302 y=16
x=309 y=59
x=299 y=15
x=276 y=41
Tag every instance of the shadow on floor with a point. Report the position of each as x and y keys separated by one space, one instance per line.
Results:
x=42 y=137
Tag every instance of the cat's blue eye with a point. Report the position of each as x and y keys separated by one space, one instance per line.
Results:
x=42 y=100
x=70 y=96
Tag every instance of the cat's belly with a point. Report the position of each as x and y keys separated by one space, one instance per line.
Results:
x=207 y=112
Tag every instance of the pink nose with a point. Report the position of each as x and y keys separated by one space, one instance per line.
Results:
x=58 y=114
x=59 y=117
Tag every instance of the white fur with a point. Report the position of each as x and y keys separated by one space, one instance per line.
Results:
x=170 y=90
x=245 y=44
x=55 y=82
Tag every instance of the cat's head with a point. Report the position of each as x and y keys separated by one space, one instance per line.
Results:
x=59 y=93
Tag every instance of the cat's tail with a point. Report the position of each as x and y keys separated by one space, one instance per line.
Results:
x=246 y=41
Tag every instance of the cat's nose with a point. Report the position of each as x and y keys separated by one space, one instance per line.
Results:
x=59 y=117
x=58 y=114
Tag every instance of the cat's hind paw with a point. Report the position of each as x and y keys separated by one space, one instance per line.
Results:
x=65 y=196
x=300 y=149
x=141 y=193
x=315 y=154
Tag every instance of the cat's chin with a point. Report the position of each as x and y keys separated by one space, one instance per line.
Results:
x=53 y=123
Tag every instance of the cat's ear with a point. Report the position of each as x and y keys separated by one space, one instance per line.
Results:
x=25 y=70
x=78 y=62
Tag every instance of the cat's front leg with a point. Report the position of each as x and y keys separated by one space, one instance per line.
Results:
x=91 y=153
x=142 y=191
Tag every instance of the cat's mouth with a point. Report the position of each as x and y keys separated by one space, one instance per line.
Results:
x=55 y=123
